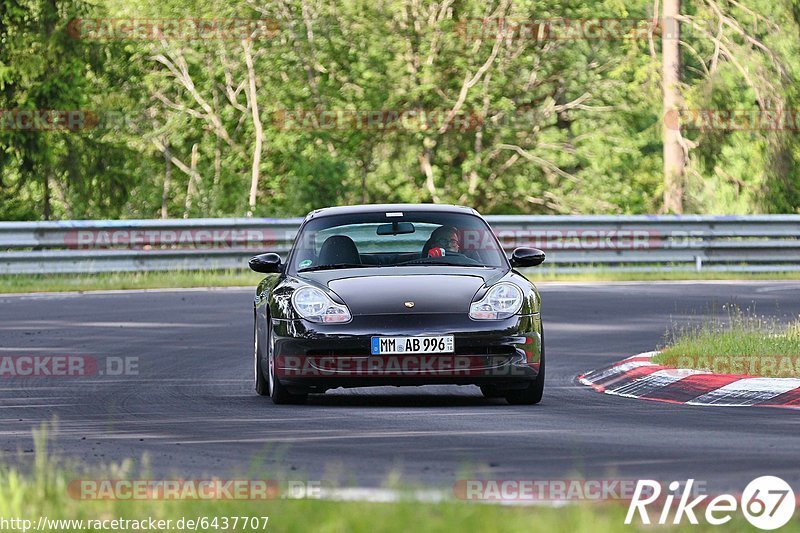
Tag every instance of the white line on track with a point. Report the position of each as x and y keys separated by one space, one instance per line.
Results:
x=614 y=370
x=380 y=495
x=104 y=292
x=649 y=383
x=748 y=391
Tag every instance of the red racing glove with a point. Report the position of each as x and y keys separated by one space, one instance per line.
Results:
x=436 y=252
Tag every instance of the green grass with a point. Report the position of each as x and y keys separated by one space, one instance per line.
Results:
x=601 y=274
x=745 y=343
x=312 y=515
x=10 y=283
x=127 y=280
x=41 y=489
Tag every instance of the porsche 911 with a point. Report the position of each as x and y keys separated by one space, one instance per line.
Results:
x=397 y=295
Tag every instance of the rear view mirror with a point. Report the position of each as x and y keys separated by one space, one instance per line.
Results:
x=268 y=263
x=527 y=257
x=396 y=228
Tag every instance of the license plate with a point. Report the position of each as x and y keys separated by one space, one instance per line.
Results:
x=403 y=345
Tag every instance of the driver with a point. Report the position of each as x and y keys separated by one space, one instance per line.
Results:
x=443 y=240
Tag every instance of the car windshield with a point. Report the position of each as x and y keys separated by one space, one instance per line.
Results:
x=378 y=239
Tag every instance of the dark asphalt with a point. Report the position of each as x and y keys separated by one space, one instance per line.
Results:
x=191 y=409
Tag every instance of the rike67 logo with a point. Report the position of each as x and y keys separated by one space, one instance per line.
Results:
x=768 y=502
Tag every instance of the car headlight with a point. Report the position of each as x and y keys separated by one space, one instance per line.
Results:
x=502 y=301
x=316 y=306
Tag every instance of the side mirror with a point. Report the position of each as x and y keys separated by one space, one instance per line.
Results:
x=266 y=263
x=527 y=257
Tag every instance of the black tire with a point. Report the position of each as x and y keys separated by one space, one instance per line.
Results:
x=533 y=393
x=490 y=392
x=261 y=385
x=279 y=394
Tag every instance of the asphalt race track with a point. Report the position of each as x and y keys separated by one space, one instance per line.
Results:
x=191 y=408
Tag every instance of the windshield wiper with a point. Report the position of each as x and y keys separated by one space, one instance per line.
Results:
x=334 y=267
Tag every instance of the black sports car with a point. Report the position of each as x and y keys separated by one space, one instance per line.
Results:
x=397 y=295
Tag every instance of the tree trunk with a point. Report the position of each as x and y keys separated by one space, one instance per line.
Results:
x=61 y=196
x=257 y=126
x=427 y=168
x=194 y=182
x=674 y=156
x=47 y=208
x=215 y=192
x=167 y=181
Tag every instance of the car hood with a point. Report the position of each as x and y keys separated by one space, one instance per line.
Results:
x=389 y=294
x=430 y=292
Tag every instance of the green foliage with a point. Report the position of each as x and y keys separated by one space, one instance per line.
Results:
x=548 y=126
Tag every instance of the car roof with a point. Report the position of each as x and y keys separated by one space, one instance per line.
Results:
x=380 y=208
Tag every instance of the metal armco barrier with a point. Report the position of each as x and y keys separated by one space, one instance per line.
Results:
x=720 y=243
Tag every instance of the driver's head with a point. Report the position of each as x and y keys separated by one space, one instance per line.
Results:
x=445 y=237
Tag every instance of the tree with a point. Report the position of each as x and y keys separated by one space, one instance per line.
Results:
x=675 y=156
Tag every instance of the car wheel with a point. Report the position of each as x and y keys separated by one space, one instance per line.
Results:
x=532 y=394
x=262 y=387
x=280 y=395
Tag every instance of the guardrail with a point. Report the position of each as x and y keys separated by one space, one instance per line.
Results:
x=720 y=243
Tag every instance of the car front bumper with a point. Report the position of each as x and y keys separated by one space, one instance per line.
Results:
x=504 y=354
